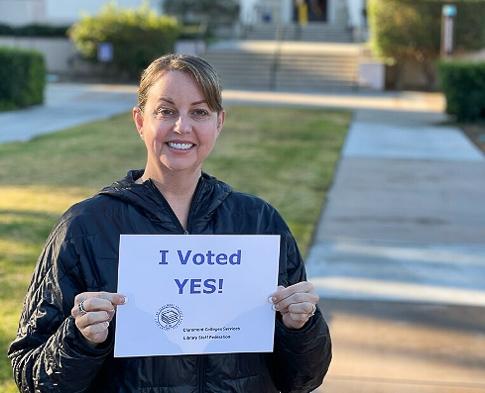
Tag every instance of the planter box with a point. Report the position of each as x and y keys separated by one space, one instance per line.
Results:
x=372 y=75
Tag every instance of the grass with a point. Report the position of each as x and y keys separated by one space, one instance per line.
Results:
x=287 y=156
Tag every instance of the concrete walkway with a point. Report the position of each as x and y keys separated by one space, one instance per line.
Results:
x=405 y=218
x=66 y=105
x=399 y=258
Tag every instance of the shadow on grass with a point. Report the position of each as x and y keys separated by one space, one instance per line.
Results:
x=25 y=225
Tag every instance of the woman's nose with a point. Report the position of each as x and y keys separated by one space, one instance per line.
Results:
x=182 y=125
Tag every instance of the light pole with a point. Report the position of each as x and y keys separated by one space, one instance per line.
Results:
x=447 y=20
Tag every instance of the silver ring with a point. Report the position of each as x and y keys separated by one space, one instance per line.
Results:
x=81 y=308
x=313 y=311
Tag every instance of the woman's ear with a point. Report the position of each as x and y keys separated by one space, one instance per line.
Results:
x=138 y=120
x=220 y=121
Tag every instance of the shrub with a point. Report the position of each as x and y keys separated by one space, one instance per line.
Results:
x=138 y=36
x=33 y=30
x=411 y=30
x=22 y=78
x=6 y=29
x=463 y=84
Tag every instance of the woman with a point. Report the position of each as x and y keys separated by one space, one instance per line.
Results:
x=65 y=339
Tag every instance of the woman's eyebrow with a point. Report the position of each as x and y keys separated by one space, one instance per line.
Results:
x=170 y=101
x=199 y=102
x=167 y=99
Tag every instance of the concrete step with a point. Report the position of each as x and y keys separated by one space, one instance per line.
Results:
x=286 y=65
x=312 y=32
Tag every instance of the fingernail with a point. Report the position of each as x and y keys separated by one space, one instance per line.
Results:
x=274 y=307
x=270 y=300
x=124 y=300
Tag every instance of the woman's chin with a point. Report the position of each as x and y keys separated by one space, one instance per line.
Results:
x=182 y=167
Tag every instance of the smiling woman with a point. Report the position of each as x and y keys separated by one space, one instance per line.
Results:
x=178 y=127
x=65 y=339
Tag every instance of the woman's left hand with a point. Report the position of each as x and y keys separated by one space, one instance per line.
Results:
x=296 y=303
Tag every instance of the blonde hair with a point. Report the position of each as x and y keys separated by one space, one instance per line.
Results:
x=200 y=70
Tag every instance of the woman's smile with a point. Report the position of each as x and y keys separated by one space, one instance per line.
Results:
x=180 y=146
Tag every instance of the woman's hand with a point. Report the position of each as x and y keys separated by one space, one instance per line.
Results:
x=296 y=303
x=93 y=312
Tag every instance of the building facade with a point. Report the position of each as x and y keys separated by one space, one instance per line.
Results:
x=348 y=13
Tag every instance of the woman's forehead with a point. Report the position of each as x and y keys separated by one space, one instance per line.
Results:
x=172 y=85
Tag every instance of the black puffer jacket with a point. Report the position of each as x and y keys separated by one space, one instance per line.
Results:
x=81 y=254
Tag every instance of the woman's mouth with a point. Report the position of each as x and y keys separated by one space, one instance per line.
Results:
x=180 y=145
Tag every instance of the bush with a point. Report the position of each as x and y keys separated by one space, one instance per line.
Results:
x=411 y=30
x=463 y=84
x=33 y=30
x=138 y=36
x=6 y=29
x=22 y=78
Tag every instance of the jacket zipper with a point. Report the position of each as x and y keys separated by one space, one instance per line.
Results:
x=192 y=204
x=201 y=369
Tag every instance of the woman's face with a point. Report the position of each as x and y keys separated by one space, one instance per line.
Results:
x=177 y=126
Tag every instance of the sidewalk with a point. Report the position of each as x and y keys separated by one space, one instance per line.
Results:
x=399 y=258
x=66 y=105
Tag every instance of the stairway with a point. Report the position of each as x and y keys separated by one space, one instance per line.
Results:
x=312 y=32
x=242 y=69
x=286 y=66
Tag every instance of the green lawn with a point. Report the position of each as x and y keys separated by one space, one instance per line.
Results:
x=287 y=156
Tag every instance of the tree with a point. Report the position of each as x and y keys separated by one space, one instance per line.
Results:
x=403 y=30
x=137 y=36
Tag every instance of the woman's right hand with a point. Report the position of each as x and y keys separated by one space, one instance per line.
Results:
x=93 y=311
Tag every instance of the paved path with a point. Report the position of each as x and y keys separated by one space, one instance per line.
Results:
x=405 y=347
x=405 y=218
x=66 y=105
x=399 y=258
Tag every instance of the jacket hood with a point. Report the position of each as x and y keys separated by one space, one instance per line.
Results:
x=209 y=194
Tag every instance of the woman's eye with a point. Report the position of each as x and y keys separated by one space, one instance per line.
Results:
x=200 y=113
x=165 y=112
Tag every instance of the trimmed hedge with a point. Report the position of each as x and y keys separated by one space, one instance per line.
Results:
x=33 y=30
x=22 y=78
x=463 y=84
x=137 y=36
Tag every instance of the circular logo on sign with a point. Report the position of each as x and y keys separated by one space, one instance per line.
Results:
x=169 y=317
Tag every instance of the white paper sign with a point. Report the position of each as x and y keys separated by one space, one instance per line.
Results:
x=195 y=294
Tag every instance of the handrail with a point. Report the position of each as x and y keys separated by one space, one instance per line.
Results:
x=279 y=35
